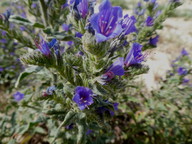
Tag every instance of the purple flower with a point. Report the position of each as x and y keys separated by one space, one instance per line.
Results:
x=45 y=47
x=1 y=69
x=89 y=131
x=65 y=5
x=18 y=96
x=78 y=34
x=106 y=23
x=83 y=97
x=22 y=28
x=149 y=21
x=6 y=15
x=139 y=9
x=3 y=41
x=128 y=24
x=115 y=69
x=70 y=43
x=184 y=52
x=115 y=105
x=65 y=27
x=185 y=81
x=80 y=7
x=83 y=8
x=182 y=71
x=69 y=127
x=79 y=53
x=135 y=55
x=103 y=109
x=174 y=1
x=153 y=41
x=3 y=33
x=34 y=5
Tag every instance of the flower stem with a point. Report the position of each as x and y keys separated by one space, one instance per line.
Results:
x=43 y=8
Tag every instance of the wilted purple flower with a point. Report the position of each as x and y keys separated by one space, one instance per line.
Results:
x=135 y=55
x=128 y=24
x=182 y=71
x=65 y=27
x=18 y=96
x=83 y=97
x=69 y=127
x=78 y=34
x=50 y=90
x=106 y=23
x=184 y=52
x=153 y=41
x=102 y=110
x=149 y=21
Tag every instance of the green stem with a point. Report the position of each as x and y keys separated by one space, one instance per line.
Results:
x=43 y=8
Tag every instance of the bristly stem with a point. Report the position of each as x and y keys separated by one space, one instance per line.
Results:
x=43 y=8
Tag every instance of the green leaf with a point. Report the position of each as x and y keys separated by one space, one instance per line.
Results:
x=69 y=118
x=38 y=25
x=27 y=72
x=19 y=20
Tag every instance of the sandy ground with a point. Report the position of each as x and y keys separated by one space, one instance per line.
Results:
x=176 y=35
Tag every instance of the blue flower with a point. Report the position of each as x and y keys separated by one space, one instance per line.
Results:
x=153 y=41
x=135 y=55
x=184 y=52
x=18 y=96
x=149 y=21
x=83 y=97
x=182 y=71
x=106 y=23
x=128 y=24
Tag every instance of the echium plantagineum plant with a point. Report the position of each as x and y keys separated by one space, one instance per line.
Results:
x=92 y=57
